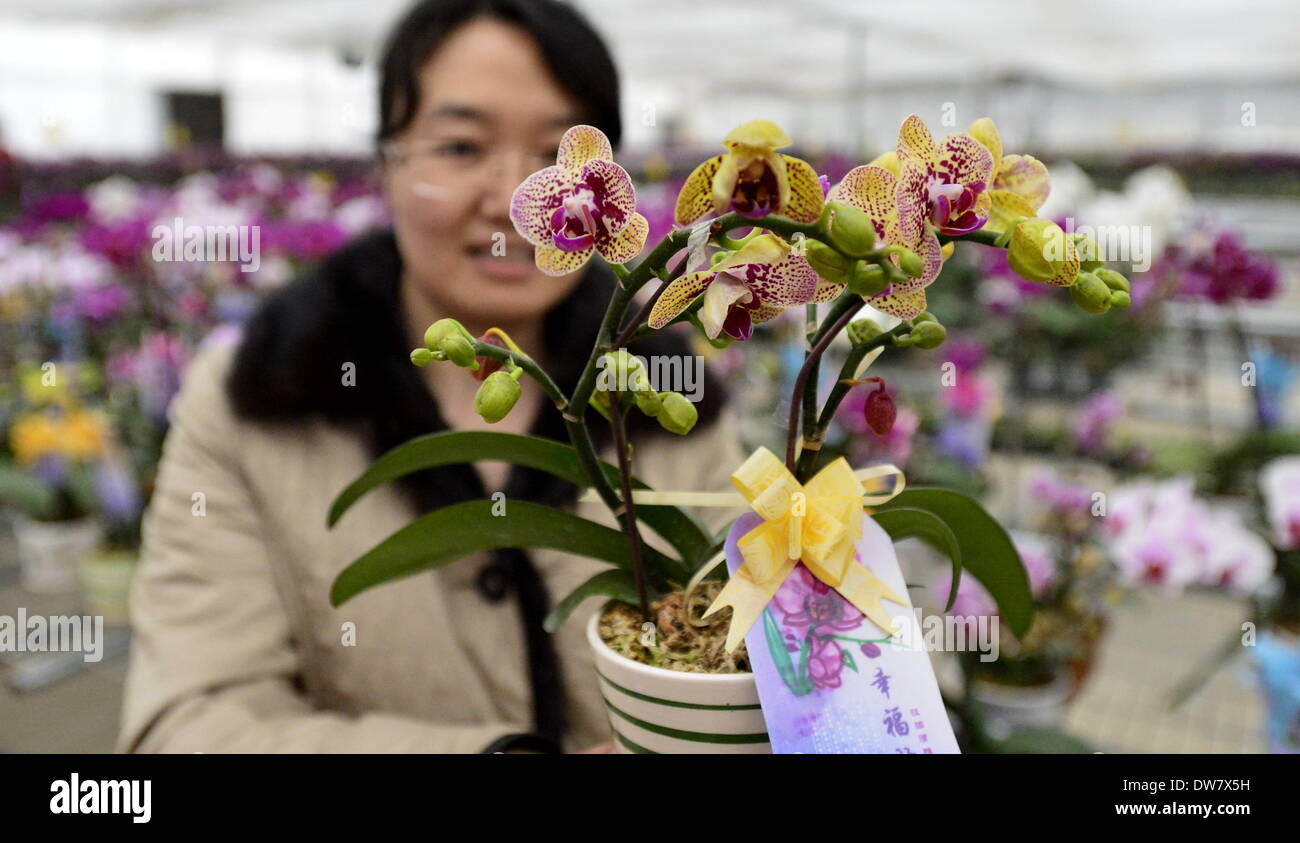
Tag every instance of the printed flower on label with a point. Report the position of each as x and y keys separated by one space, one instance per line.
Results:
x=584 y=203
x=1020 y=182
x=754 y=284
x=752 y=179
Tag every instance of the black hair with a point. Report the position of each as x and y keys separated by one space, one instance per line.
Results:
x=571 y=49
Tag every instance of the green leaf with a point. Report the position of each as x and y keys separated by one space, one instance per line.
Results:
x=910 y=522
x=780 y=655
x=681 y=530
x=25 y=491
x=456 y=531
x=617 y=583
x=847 y=658
x=986 y=549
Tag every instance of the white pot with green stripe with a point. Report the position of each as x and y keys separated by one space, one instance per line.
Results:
x=653 y=710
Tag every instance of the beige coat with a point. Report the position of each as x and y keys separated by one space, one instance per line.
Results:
x=238 y=649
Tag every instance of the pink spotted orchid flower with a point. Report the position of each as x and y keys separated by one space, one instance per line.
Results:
x=914 y=194
x=585 y=203
x=754 y=284
x=752 y=179
x=1020 y=182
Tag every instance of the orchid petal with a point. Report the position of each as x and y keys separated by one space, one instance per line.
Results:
x=886 y=160
x=582 y=144
x=870 y=189
x=553 y=261
x=677 y=296
x=759 y=134
x=614 y=191
x=765 y=248
x=827 y=291
x=725 y=291
x=966 y=160
x=1007 y=208
x=535 y=200
x=985 y=131
x=805 y=202
x=725 y=178
x=911 y=200
x=766 y=313
x=916 y=144
x=792 y=281
x=1026 y=176
x=902 y=305
x=628 y=244
x=695 y=199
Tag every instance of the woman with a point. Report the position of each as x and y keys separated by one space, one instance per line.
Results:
x=237 y=647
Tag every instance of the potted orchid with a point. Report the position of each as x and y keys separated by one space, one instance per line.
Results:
x=686 y=646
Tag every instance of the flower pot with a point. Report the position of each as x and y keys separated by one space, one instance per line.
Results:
x=106 y=582
x=1007 y=708
x=653 y=710
x=50 y=552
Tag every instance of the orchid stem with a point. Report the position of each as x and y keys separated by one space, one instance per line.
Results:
x=629 y=508
x=810 y=362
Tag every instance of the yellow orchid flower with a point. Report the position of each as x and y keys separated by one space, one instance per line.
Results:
x=1020 y=182
x=752 y=178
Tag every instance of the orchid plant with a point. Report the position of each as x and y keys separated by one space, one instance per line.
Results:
x=758 y=232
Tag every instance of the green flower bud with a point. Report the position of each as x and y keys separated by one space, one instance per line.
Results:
x=863 y=330
x=438 y=332
x=421 y=356
x=1089 y=253
x=676 y=413
x=908 y=261
x=923 y=316
x=868 y=279
x=827 y=262
x=624 y=372
x=1090 y=293
x=1120 y=299
x=460 y=351
x=927 y=335
x=1113 y=280
x=649 y=402
x=850 y=229
x=496 y=397
x=1041 y=252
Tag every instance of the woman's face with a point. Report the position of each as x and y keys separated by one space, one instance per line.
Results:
x=489 y=115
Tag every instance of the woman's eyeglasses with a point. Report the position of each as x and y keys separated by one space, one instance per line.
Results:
x=460 y=163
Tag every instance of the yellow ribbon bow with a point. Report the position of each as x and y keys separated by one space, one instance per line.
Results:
x=818 y=524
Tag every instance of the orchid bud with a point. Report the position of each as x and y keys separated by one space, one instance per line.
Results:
x=926 y=335
x=908 y=261
x=1120 y=299
x=1090 y=293
x=676 y=413
x=850 y=229
x=880 y=410
x=827 y=262
x=868 y=279
x=863 y=330
x=1113 y=279
x=1089 y=253
x=421 y=356
x=649 y=402
x=1041 y=252
x=459 y=351
x=439 y=331
x=496 y=397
